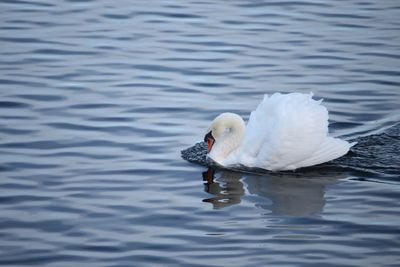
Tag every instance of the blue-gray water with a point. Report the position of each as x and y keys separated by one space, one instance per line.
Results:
x=98 y=98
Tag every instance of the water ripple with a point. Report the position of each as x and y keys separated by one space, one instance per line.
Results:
x=98 y=99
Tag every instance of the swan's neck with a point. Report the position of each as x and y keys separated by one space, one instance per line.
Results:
x=232 y=130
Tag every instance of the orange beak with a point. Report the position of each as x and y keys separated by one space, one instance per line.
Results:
x=210 y=141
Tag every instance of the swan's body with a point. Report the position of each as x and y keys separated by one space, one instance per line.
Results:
x=285 y=132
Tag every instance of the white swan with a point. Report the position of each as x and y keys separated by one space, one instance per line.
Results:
x=285 y=132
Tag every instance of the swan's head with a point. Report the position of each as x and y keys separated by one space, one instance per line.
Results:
x=226 y=131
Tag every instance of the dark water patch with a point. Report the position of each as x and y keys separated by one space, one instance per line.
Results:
x=80 y=1
x=381 y=82
x=327 y=57
x=64 y=76
x=184 y=71
x=284 y=4
x=68 y=144
x=184 y=90
x=17 y=199
x=24 y=61
x=262 y=65
x=116 y=172
x=380 y=54
x=8 y=130
x=19 y=82
x=33 y=145
x=80 y=127
x=92 y=106
x=17 y=117
x=53 y=51
x=25 y=40
x=45 y=226
x=65 y=209
x=75 y=88
x=168 y=15
x=60 y=144
x=24 y=3
x=191 y=59
x=78 y=155
x=112 y=119
x=322 y=66
x=340 y=100
x=393 y=73
x=12 y=104
x=32 y=23
x=343 y=16
x=18 y=166
x=360 y=44
x=210 y=84
x=344 y=125
x=99 y=248
x=142 y=85
x=12 y=186
x=351 y=25
x=212 y=44
x=157 y=110
x=45 y=98
x=43 y=259
x=116 y=16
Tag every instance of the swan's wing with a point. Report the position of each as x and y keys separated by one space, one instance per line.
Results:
x=330 y=149
x=284 y=130
x=257 y=128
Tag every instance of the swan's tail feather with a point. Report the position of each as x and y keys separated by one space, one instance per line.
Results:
x=330 y=149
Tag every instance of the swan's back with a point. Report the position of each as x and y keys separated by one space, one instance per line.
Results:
x=288 y=131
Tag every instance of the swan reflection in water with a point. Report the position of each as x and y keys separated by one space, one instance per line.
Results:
x=295 y=194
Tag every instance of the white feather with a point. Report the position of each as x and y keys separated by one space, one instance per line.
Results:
x=285 y=132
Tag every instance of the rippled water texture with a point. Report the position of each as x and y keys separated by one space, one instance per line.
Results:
x=98 y=98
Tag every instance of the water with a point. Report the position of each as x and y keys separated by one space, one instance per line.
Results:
x=98 y=98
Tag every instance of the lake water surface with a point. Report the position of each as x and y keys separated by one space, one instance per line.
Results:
x=98 y=98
